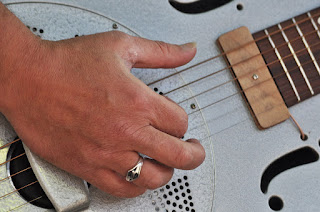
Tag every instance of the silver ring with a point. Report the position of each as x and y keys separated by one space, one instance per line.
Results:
x=134 y=173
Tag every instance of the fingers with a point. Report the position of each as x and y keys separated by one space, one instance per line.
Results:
x=114 y=184
x=169 y=117
x=157 y=54
x=168 y=149
x=153 y=174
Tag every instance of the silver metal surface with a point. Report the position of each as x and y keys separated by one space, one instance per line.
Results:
x=134 y=173
x=69 y=185
x=229 y=179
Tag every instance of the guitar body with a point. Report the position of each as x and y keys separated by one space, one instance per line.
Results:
x=237 y=152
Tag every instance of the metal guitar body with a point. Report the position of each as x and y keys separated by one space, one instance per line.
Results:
x=237 y=152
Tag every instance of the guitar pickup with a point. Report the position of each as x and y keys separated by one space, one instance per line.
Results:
x=254 y=79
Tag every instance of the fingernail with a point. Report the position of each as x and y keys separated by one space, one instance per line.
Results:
x=189 y=46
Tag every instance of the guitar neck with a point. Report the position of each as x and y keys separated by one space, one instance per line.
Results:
x=291 y=50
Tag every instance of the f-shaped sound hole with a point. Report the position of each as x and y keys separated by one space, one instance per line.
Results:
x=199 y=6
x=293 y=159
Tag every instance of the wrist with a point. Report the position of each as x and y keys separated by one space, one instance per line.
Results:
x=17 y=44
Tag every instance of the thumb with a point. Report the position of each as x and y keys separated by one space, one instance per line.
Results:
x=157 y=54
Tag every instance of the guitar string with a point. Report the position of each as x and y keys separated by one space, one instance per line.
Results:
x=4 y=146
x=201 y=109
x=236 y=78
x=202 y=139
x=248 y=59
x=282 y=45
x=238 y=93
x=22 y=205
x=12 y=175
x=242 y=121
x=228 y=52
x=1 y=164
x=12 y=192
x=303 y=136
x=30 y=184
x=277 y=76
x=224 y=53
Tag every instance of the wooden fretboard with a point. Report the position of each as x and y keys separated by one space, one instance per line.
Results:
x=291 y=50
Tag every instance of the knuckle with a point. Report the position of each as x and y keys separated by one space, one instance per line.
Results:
x=121 y=36
x=124 y=192
x=128 y=129
x=183 y=158
x=121 y=40
x=139 y=99
x=164 y=47
x=154 y=182
x=183 y=123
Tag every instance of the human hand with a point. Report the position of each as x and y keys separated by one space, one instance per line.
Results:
x=76 y=104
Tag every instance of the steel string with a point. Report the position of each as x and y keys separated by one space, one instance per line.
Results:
x=275 y=77
x=231 y=66
x=249 y=118
x=224 y=53
x=22 y=205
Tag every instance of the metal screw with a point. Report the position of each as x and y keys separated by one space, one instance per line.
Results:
x=193 y=106
x=115 y=26
x=255 y=76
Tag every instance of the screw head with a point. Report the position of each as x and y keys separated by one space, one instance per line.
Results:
x=193 y=106
x=255 y=77
x=115 y=26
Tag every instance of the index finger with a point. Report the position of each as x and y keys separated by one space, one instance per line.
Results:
x=158 y=54
x=168 y=149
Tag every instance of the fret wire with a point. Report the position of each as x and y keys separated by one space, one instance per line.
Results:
x=220 y=55
x=296 y=59
x=242 y=91
x=314 y=23
x=283 y=65
x=230 y=66
x=306 y=43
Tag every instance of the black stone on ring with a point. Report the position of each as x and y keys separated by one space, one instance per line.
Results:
x=134 y=173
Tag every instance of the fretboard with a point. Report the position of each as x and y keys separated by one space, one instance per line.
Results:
x=291 y=50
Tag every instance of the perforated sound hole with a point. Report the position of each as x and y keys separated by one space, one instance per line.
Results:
x=36 y=31
x=173 y=197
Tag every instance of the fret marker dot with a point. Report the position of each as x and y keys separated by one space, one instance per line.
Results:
x=319 y=20
x=255 y=77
